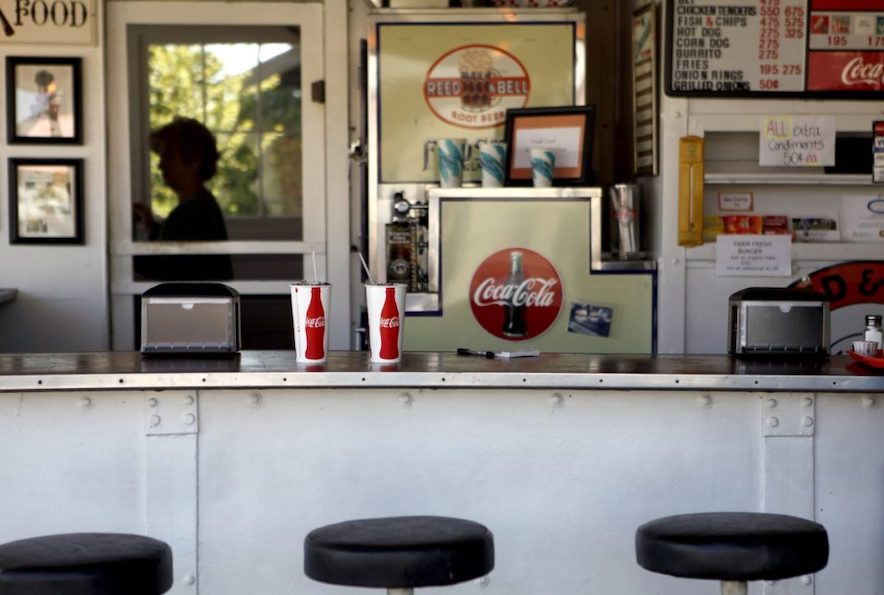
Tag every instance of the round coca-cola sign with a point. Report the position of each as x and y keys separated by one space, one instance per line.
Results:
x=516 y=294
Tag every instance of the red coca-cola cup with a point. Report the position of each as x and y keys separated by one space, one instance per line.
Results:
x=310 y=302
x=386 y=313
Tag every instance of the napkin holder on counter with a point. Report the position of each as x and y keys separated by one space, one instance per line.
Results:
x=779 y=322
x=190 y=319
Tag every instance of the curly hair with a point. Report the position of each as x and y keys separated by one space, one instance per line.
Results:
x=192 y=140
x=44 y=78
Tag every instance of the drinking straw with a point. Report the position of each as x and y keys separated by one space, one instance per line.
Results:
x=365 y=267
x=315 y=276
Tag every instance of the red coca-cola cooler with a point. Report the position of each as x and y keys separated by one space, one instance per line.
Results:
x=523 y=268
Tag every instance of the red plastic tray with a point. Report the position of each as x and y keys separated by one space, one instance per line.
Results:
x=875 y=362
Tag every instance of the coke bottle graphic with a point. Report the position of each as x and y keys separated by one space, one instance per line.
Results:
x=514 y=309
x=314 y=327
x=389 y=326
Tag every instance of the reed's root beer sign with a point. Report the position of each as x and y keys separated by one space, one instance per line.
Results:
x=472 y=86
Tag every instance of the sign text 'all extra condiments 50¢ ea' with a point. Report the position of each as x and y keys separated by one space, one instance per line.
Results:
x=48 y=22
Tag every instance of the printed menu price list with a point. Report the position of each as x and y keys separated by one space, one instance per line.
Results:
x=738 y=46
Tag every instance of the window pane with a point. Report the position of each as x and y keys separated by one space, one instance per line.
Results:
x=243 y=84
x=228 y=68
x=236 y=184
x=175 y=77
x=281 y=175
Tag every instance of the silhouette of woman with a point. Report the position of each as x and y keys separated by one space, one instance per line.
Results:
x=188 y=159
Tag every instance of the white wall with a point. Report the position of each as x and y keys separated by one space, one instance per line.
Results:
x=62 y=300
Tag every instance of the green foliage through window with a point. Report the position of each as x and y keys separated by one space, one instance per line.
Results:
x=249 y=96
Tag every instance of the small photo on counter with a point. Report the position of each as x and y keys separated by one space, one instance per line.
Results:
x=587 y=319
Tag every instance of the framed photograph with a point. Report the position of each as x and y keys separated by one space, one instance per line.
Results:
x=566 y=130
x=46 y=201
x=43 y=100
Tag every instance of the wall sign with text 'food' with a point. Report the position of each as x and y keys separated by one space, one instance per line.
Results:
x=775 y=48
x=48 y=22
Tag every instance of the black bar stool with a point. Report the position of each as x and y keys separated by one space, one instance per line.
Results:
x=399 y=553
x=85 y=564
x=732 y=547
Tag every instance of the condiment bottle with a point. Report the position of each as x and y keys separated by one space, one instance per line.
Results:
x=873 y=329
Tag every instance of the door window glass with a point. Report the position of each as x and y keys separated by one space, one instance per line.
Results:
x=244 y=85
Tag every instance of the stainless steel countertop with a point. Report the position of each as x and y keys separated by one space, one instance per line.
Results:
x=278 y=369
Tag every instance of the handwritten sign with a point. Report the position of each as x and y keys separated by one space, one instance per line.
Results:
x=753 y=256
x=797 y=141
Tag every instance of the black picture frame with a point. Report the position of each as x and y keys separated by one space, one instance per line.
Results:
x=45 y=201
x=568 y=129
x=44 y=100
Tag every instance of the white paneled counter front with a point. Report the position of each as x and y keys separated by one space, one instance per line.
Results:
x=233 y=461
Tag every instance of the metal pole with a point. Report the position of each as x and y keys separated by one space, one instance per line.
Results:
x=733 y=588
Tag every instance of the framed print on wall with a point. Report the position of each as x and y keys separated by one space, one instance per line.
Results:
x=568 y=130
x=46 y=201
x=645 y=123
x=43 y=100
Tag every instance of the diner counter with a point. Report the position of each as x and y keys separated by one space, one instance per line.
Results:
x=233 y=460
x=278 y=369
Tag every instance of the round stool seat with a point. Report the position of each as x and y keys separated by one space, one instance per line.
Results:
x=399 y=552
x=85 y=564
x=732 y=546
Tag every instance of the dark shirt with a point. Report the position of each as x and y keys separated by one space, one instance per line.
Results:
x=198 y=219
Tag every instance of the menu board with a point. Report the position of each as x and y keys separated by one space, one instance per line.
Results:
x=775 y=48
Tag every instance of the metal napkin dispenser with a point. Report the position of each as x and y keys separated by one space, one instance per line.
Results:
x=190 y=318
x=777 y=321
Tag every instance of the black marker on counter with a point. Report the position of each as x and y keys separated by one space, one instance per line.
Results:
x=465 y=351
x=493 y=354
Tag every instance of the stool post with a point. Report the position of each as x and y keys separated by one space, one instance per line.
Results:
x=400 y=591
x=734 y=588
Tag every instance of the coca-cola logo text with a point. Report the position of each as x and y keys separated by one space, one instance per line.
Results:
x=317 y=322
x=516 y=294
x=530 y=292
x=390 y=322
x=857 y=72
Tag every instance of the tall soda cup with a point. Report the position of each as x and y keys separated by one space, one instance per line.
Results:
x=386 y=311
x=310 y=302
